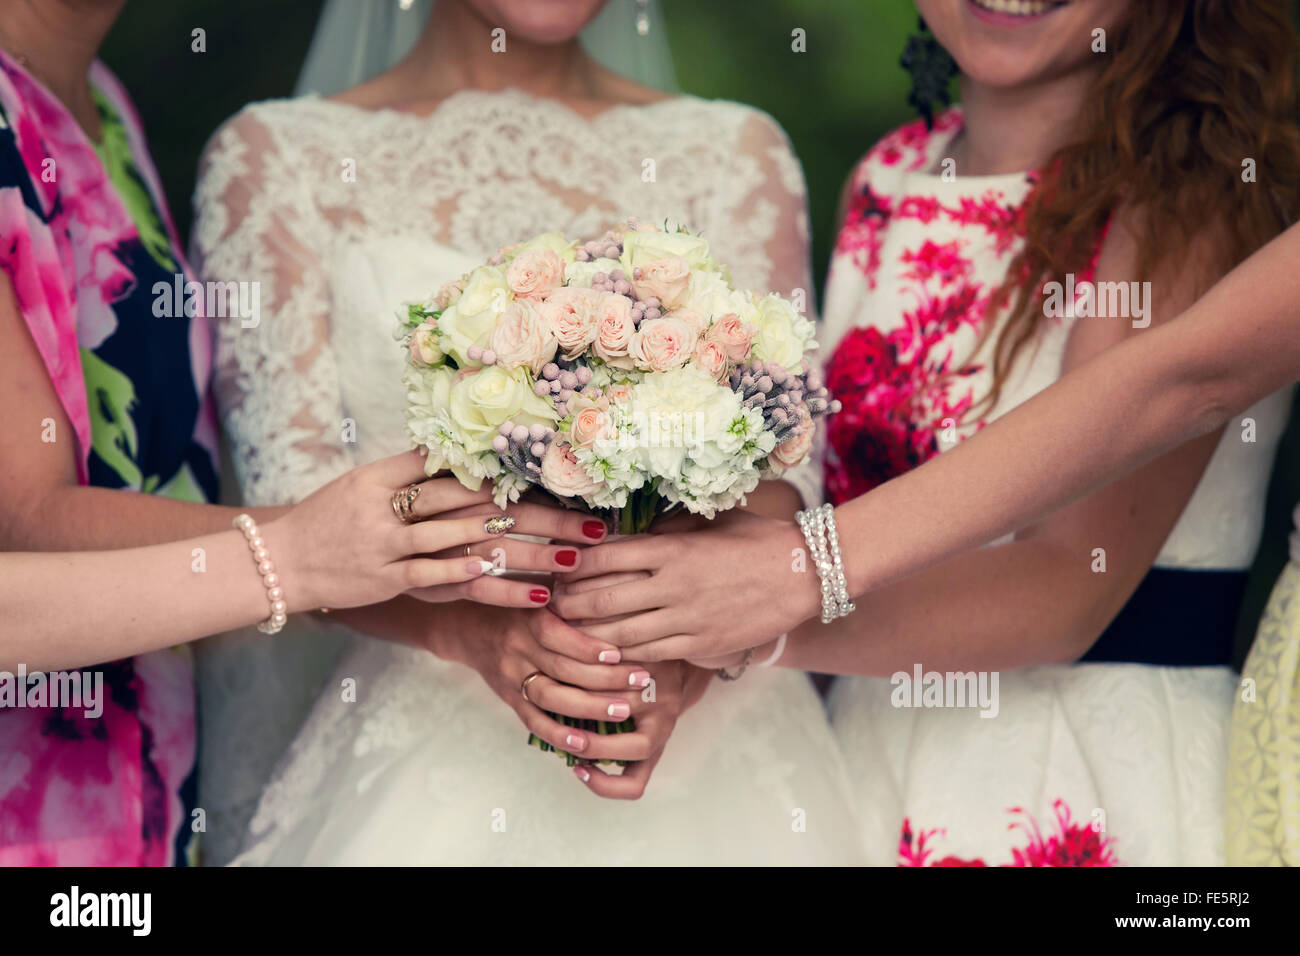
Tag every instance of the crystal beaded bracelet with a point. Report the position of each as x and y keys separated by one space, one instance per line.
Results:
x=818 y=527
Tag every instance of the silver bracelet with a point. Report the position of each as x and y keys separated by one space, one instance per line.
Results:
x=818 y=527
x=744 y=666
x=270 y=580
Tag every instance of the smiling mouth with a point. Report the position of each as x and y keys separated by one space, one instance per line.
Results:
x=1017 y=8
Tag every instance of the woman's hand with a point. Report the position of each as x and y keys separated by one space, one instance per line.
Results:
x=739 y=582
x=581 y=677
x=677 y=686
x=344 y=546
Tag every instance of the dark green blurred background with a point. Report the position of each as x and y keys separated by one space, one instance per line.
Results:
x=834 y=101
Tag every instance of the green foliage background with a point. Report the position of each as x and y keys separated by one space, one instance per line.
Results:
x=835 y=100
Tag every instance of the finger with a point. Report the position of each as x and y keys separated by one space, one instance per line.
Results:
x=570 y=739
x=637 y=629
x=557 y=698
x=435 y=572
x=629 y=785
x=562 y=638
x=629 y=745
x=675 y=648
x=545 y=521
x=637 y=553
x=608 y=602
x=500 y=592
x=593 y=677
x=439 y=495
x=508 y=555
x=397 y=471
x=566 y=585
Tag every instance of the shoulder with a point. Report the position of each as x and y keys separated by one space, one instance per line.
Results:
x=910 y=148
x=266 y=126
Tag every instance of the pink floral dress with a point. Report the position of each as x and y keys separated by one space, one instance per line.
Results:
x=1117 y=757
x=88 y=246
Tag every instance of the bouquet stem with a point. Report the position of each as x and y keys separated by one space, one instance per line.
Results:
x=591 y=726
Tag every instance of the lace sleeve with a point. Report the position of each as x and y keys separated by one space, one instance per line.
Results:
x=276 y=381
x=777 y=209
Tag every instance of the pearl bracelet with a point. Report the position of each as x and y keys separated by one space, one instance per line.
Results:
x=818 y=527
x=274 y=593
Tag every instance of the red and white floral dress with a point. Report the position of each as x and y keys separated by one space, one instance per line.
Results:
x=1121 y=760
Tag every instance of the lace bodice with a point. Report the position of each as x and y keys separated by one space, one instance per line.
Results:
x=332 y=208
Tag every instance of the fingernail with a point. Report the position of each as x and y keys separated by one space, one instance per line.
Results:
x=609 y=657
x=638 y=679
x=595 y=530
x=568 y=557
x=574 y=742
x=539 y=595
x=582 y=774
x=478 y=567
x=619 y=710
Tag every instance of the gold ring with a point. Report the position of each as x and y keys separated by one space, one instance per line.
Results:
x=523 y=688
x=467 y=553
x=403 y=501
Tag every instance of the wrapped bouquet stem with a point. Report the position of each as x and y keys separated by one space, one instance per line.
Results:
x=623 y=375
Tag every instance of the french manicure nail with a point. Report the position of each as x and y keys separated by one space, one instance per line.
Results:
x=582 y=774
x=638 y=679
x=574 y=742
x=539 y=595
x=619 y=710
x=609 y=657
x=568 y=557
x=478 y=567
x=595 y=530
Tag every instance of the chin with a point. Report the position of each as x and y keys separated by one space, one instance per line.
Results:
x=539 y=21
x=1010 y=43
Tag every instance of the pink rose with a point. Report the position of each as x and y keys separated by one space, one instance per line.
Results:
x=696 y=320
x=712 y=358
x=665 y=279
x=733 y=335
x=619 y=394
x=795 y=449
x=522 y=337
x=449 y=294
x=590 y=420
x=662 y=344
x=424 y=344
x=532 y=275
x=614 y=329
x=571 y=315
x=563 y=474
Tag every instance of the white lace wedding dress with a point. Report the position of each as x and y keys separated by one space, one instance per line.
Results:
x=340 y=214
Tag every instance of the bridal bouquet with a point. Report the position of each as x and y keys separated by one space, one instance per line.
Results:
x=623 y=375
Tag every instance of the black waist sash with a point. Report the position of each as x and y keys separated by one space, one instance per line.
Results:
x=1175 y=618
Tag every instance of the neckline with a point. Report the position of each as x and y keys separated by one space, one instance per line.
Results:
x=513 y=92
x=98 y=94
x=934 y=151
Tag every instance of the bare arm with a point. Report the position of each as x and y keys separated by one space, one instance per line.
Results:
x=44 y=508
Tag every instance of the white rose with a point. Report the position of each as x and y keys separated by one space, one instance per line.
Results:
x=485 y=398
x=579 y=274
x=640 y=248
x=711 y=296
x=547 y=241
x=783 y=334
x=471 y=320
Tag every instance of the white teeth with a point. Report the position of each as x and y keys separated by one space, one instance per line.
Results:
x=1018 y=8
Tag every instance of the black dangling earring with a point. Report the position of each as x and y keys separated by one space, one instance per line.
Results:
x=932 y=69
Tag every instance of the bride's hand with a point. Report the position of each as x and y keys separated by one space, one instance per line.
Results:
x=738 y=582
x=344 y=546
x=677 y=685
x=505 y=646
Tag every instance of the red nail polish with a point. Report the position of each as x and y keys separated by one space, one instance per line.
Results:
x=568 y=557
x=595 y=530
x=539 y=595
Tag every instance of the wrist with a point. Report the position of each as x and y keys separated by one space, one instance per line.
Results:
x=806 y=597
x=300 y=589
